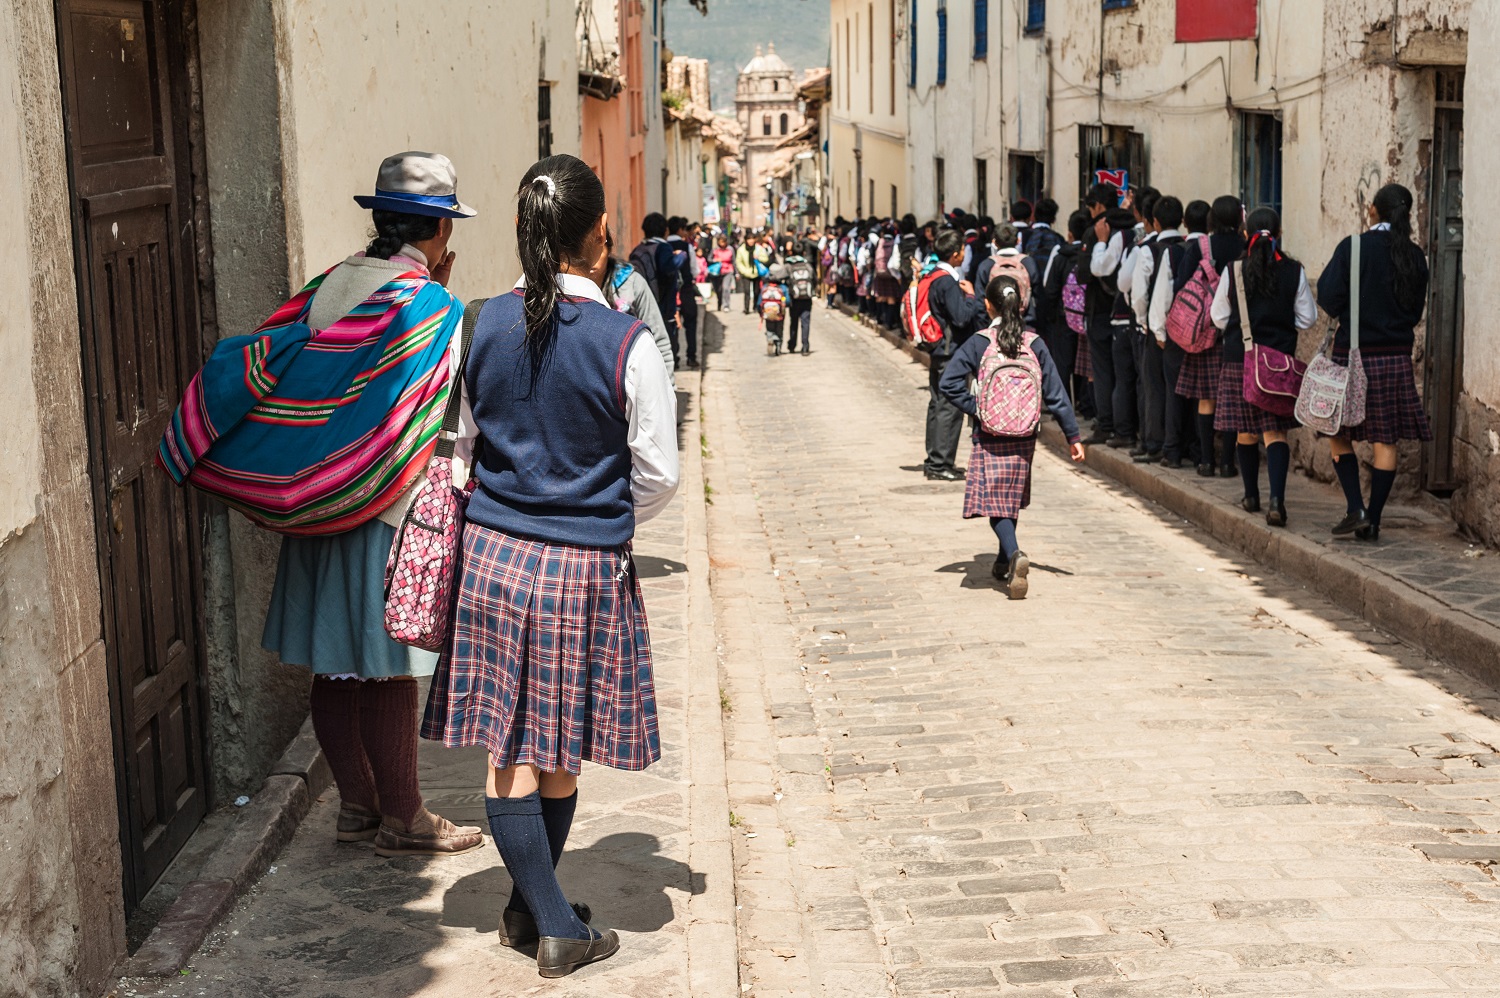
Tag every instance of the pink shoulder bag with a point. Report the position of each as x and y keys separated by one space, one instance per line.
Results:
x=1272 y=379
x=424 y=558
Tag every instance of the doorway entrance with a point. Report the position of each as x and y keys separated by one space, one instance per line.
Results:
x=1445 y=312
x=126 y=112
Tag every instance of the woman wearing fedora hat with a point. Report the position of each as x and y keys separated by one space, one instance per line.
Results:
x=327 y=606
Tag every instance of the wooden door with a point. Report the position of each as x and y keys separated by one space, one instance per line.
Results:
x=1445 y=312
x=127 y=150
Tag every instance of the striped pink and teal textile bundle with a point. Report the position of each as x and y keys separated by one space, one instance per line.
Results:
x=316 y=432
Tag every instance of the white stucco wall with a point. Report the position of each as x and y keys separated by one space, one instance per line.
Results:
x=860 y=111
x=1482 y=256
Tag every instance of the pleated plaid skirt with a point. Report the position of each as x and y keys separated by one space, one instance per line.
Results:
x=1233 y=414
x=1083 y=366
x=550 y=661
x=1393 y=409
x=1200 y=374
x=998 y=481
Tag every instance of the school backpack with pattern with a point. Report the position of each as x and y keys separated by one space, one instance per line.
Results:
x=1189 y=322
x=921 y=325
x=1075 y=303
x=1010 y=389
x=772 y=303
x=883 y=254
x=1013 y=266
x=800 y=277
x=908 y=259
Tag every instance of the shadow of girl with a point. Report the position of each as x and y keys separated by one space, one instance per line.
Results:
x=623 y=877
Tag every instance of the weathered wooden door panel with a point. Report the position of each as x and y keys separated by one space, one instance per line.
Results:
x=1445 y=314
x=122 y=79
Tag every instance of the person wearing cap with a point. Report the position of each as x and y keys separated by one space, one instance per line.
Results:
x=327 y=609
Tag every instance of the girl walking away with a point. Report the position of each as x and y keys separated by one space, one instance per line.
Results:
x=1199 y=377
x=1016 y=381
x=327 y=609
x=1276 y=294
x=550 y=661
x=721 y=271
x=1392 y=298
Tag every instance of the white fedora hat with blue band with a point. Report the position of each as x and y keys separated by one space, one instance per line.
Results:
x=417 y=183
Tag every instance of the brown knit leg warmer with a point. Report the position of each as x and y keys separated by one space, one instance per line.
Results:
x=388 y=725
x=336 y=722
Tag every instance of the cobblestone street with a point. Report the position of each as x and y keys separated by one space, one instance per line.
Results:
x=1164 y=773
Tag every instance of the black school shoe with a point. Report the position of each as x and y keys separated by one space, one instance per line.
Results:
x=559 y=957
x=1228 y=471
x=1352 y=523
x=1015 y=577
x=1250 y=504
x=1148 y=457
x=1205 y=471
x=518 y=928
x=946 y=475
x=1119 y=442
x=1276 y=513
x=1174 y=463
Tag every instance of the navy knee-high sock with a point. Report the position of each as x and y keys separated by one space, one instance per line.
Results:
x=1227 y=444
x=1381 y=482
x=1250 y=468
x=557 y=815
x=1278 y=463
x=521 y=836
x=1005 y=529
x=1346 y=467
x=1206 y=438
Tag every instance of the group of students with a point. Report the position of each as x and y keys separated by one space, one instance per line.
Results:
x=561 y=425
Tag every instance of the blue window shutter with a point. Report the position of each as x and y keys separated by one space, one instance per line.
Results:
x=981 y=29
x=912 y=81
x=942 y=66
x=1036 y=15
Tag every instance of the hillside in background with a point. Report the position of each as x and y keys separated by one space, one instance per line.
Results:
x=728 y=35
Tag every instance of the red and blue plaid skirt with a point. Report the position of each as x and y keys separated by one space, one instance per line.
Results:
x=549 y=662
x=1233 y=414
x=998 y=480
x=1393 y=409
x=1200 y=374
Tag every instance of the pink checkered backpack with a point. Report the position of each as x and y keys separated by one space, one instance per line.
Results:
x=1010 y=390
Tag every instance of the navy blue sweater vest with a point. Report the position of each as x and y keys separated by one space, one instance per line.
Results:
x=552 y=461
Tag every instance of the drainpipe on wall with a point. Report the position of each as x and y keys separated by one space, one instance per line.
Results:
x=1047 y=121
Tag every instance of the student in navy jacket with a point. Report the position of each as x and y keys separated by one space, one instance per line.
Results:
x=1393 y=296
x=953 y=304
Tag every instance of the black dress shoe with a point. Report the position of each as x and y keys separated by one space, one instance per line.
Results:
x=1096 y=438
x=1205 y=471
x=1171 y=462
x=1227 y=471
x=1118 y=442
x=1351 y=523
x=1276 y=513
x=946 y=475
x=1250 y=504
x=518 y=928
x=1147 y=457
x=1000 y=569
x=1367 y=532
x=1015 y=577
x=559 y=957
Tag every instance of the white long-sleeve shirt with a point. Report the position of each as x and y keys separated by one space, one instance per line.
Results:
x=1106 y=257
x=650 y=409
x=1161 y=295
x=1305 y=308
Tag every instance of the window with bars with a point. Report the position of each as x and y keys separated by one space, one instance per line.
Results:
x=981 y=29
x=543 y=120
x=942 y=43
x=1036 y=16
x=1260 y=160
x=982 y=187
x=912 y=31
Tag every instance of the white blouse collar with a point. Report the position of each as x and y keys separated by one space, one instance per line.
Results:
x=575 y=286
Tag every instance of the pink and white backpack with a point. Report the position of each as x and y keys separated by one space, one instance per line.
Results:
x=1010 y=390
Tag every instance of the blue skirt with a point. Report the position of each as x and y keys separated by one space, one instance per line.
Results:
x=328 y=607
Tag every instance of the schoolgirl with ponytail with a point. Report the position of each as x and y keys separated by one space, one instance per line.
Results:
x=1393 y=297
x=1280 y=303
x=998 y=484
x=574 y=441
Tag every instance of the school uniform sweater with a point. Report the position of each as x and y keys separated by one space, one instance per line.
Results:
x=964 y=367
x=1385 y=325
x=1274 y=319
x=958 y=314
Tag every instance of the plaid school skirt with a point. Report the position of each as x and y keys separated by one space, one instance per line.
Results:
x=1393 y=410
x=998 y=480
x=1200 y=374
x=1083 y=365
x=549 y=663
x=1233 y=414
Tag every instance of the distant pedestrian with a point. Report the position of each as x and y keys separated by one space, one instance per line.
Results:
x=959 y=313
x=773 y=301
x=721 y=271
x=1179 y=435
x=549 y=664
x=802 y=287
x=745 y=270
x=1280 y=304
x=1017 y=381
x=1392 y=297
x=627 y=291
x=683 y=238
x=1199 y=378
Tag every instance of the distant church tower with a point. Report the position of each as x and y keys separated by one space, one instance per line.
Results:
x=766 y=102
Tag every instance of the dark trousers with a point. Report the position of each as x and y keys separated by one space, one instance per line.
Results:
x=1102 y=359
x=1178 y=428
x=689 y=330
x=1127 y=416
x=1153 y=393
x=945 y=422
x=1062 y=344
x=748 y=286
x=801 y=320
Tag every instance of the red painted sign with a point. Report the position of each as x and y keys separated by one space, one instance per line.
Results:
x=1215 y=20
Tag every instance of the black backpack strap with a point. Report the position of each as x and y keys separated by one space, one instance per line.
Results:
x=449 y=434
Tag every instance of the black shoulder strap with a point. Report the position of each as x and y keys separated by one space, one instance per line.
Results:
x=455 y=390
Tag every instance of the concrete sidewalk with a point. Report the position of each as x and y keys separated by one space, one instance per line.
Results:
x=649 y=851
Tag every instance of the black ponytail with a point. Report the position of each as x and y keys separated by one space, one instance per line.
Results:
x=1004 y=296
x=1393 y=203
x=559 y=202
x=394 y=229
x=1260 y=271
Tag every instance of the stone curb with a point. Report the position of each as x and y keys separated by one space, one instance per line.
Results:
x=1464 y=642
x=261 y=829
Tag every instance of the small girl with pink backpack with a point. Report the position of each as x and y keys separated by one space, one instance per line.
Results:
x=1004 y=377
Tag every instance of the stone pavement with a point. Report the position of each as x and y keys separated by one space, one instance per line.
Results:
x=1165 y=773
x=649 y=851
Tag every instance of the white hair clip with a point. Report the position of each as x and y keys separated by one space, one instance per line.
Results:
x=551 y=184
x=1009 y=291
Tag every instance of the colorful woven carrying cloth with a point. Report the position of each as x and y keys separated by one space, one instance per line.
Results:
x=312 y=432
